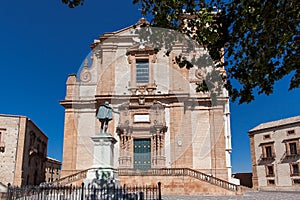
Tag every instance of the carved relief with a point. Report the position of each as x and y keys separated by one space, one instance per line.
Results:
x=129 y=129
x=157 y=114
x=85 y=75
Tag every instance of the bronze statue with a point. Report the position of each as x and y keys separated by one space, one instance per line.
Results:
x=105 y=115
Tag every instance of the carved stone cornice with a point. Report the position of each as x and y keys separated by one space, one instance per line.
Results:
x=158 y=128
x=103 y=140
x=140 y=50
x=122 y=129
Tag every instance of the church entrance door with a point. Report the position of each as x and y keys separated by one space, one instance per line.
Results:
x=142 y=153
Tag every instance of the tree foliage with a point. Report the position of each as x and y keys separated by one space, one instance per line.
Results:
x=73 y=3
x=259 y=39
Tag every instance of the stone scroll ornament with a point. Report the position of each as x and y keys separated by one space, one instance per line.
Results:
x=105 y=115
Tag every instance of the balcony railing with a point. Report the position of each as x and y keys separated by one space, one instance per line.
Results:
x=293 y=154
x=290 y=157
x=270 y=175
x=265 y=159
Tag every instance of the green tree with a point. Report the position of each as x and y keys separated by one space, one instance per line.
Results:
x=73 y=3
x=258 y=38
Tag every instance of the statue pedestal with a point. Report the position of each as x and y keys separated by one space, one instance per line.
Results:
x=103 y=150
x=103 y=161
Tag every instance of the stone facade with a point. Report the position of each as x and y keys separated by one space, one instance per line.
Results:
x=162 y=120
x=23 y=151
x=52 y=170
x=275 y=152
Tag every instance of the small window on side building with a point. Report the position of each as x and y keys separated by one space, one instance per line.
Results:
x=293 y=148
x=296 y=181
x=267 y=136
x=269 y=152
x=270 y=170
x=290 y=132
x=271 y=182
x=2 y=144
x=294 y=169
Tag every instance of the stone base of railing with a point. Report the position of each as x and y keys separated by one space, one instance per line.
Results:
x=174 y=180
x=178 y=185
x=179 y=181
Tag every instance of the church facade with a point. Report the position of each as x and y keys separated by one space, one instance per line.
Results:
x=160 y=121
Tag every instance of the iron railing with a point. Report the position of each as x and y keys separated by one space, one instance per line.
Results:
x=179 y=172
x=84 y=192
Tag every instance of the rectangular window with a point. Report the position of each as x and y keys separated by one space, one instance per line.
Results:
x=142 y=71
x=296 y=181
x=267 y=136
x=270 y=170
x=2 y=146
x=269 y=153
x=294 y=169
x=271 y=182
x=293 y=148
x=290 y=132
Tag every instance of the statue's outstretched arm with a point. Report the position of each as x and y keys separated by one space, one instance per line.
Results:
x=115 y=111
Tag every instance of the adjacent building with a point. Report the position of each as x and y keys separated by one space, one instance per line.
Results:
x=23 y=150
x=52 y=170
x=160 y=119
x=275 y=154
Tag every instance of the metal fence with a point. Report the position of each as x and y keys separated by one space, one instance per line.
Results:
x=84 y=192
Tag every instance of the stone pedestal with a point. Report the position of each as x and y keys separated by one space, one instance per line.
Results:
x=103 y=161
x=103 y=150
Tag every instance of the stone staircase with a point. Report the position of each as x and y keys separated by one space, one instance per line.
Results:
x=78 y=177
x=179 y=172
x=72 y=179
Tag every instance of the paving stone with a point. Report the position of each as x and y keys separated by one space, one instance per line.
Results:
x=247 y=196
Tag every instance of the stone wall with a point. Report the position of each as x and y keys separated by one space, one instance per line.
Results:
x=10 y=127
x=25 y=150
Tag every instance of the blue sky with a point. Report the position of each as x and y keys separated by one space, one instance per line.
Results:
x=42 y=42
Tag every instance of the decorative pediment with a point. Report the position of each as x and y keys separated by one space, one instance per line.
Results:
x=141 y=49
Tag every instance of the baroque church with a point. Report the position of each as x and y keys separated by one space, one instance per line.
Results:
x=159 y=121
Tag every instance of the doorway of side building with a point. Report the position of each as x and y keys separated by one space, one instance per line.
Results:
x=142 y=153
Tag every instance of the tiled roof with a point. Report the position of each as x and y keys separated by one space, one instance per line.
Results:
x=276 y=123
